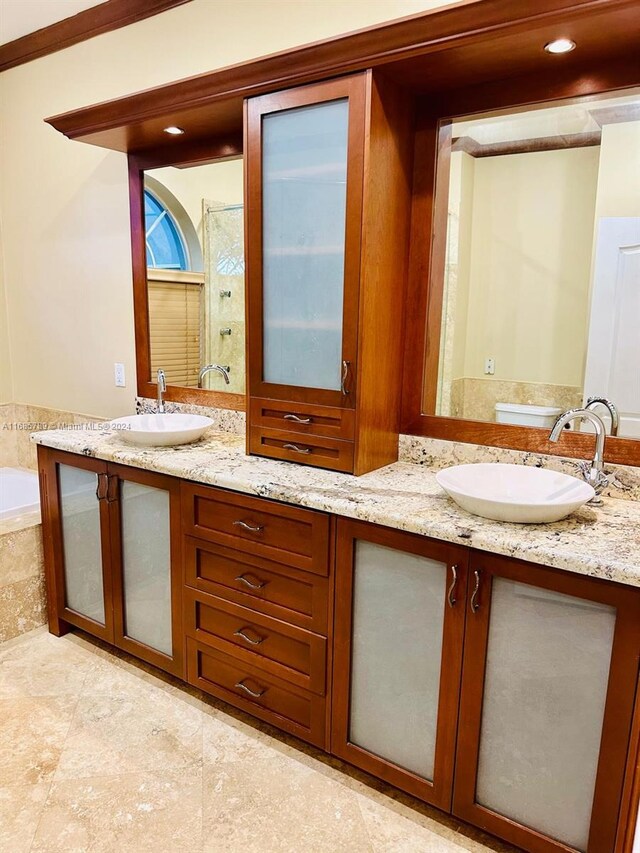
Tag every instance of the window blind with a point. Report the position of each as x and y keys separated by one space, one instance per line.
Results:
x=175 y=321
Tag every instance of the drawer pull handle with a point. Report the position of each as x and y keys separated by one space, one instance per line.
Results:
x=475 y=606
x=298 y=419
x=451 y=597
x=252 y=528
x=241 y=633
x=296 y=448
x=245 y=580
x=242 y=686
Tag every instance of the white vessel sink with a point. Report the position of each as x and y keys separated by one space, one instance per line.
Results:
x=161 y=430
x=517 y=493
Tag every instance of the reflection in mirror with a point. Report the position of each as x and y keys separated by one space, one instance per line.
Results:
x=540 y=298
x=195 y=274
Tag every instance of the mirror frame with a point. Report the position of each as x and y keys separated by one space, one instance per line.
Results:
x=200 y=153
x=427 y=257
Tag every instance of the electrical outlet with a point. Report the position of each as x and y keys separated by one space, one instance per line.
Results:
x=490 y=366
x=118 y=372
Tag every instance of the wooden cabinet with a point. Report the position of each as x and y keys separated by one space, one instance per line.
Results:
x=257 y=607
x=497 y=690
x=398 y=656
x=548 y=689
x=523 y=728
x=112 y=535
x=328 y=177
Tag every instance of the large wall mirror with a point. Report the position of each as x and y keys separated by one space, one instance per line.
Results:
x=195 y=274
x=534 y=302
x=188 y=235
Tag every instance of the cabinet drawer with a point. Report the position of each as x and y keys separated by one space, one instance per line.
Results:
x=303 y=418
x=309 y=449
x=288 y=652
x=257 y=692
x=285 y=534
x=279 y=591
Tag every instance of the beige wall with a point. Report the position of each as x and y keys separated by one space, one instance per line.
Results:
x=64 y=205
x=531 y=242
x=619 y=172
x=6 y=387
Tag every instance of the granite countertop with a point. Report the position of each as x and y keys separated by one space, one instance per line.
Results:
x=600 y=542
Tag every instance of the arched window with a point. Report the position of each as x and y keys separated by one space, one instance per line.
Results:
x=166 y=248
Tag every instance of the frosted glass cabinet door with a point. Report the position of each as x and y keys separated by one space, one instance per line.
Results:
x=81 y=542
x=304 y=190
x=398 y=617
x=146 y=565
x=543 y=732
x=398 y=640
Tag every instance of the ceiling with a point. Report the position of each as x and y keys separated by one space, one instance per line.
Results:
x=20 y=17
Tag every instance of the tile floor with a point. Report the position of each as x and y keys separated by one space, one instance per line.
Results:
x=98 y=754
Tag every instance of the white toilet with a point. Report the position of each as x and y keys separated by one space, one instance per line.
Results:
x=524 y=415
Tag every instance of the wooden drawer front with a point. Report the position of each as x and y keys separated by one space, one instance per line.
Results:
x=288 y=652
x=296 y=537
x=271 y=588
x=309 y=449
x=275 y=701
x=303 y=418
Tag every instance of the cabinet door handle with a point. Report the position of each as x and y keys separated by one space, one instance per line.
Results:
x=298 y=419
x=102 y=487
x=451 y=598
x=251 y=528
x=475 y=606
x=245 y=580
x=346 y=365
x=296 y=448
x=241 y=632
x=242 y=686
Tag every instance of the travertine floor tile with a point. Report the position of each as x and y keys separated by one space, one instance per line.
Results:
x=32 y=733
x=132 y=763
x=393 y=828
x=20 y=810
x=125 y=734
x=47 y=666
x=264 y=801
x=133 y=813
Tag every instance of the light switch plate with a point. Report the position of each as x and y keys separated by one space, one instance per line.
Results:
x=118 y=372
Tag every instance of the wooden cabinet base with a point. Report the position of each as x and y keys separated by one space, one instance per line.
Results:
x=253 y=690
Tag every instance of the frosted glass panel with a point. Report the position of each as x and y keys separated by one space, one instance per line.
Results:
x=304 y=175
x=398 y=617
x=546 y=680
x=80 y=516
x=147 y=565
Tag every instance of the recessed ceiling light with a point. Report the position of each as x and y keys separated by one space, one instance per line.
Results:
x=174 y=131
x=560 y=46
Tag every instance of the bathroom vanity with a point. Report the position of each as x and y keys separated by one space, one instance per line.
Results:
x=292 y=594
x=347 y=290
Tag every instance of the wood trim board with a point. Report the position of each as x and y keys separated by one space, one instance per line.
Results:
x=95 y=21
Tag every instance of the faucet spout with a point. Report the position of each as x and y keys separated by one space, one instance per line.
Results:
x=594 y=473
x=162 y=388
x=592 y=402
x=218 y=367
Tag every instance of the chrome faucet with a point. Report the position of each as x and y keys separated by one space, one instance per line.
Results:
x=593 y=472
x=592 y=402
x=209 y=367
x=162 y=388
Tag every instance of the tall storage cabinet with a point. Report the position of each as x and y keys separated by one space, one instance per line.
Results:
x=114 y=568
x=328 y=180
